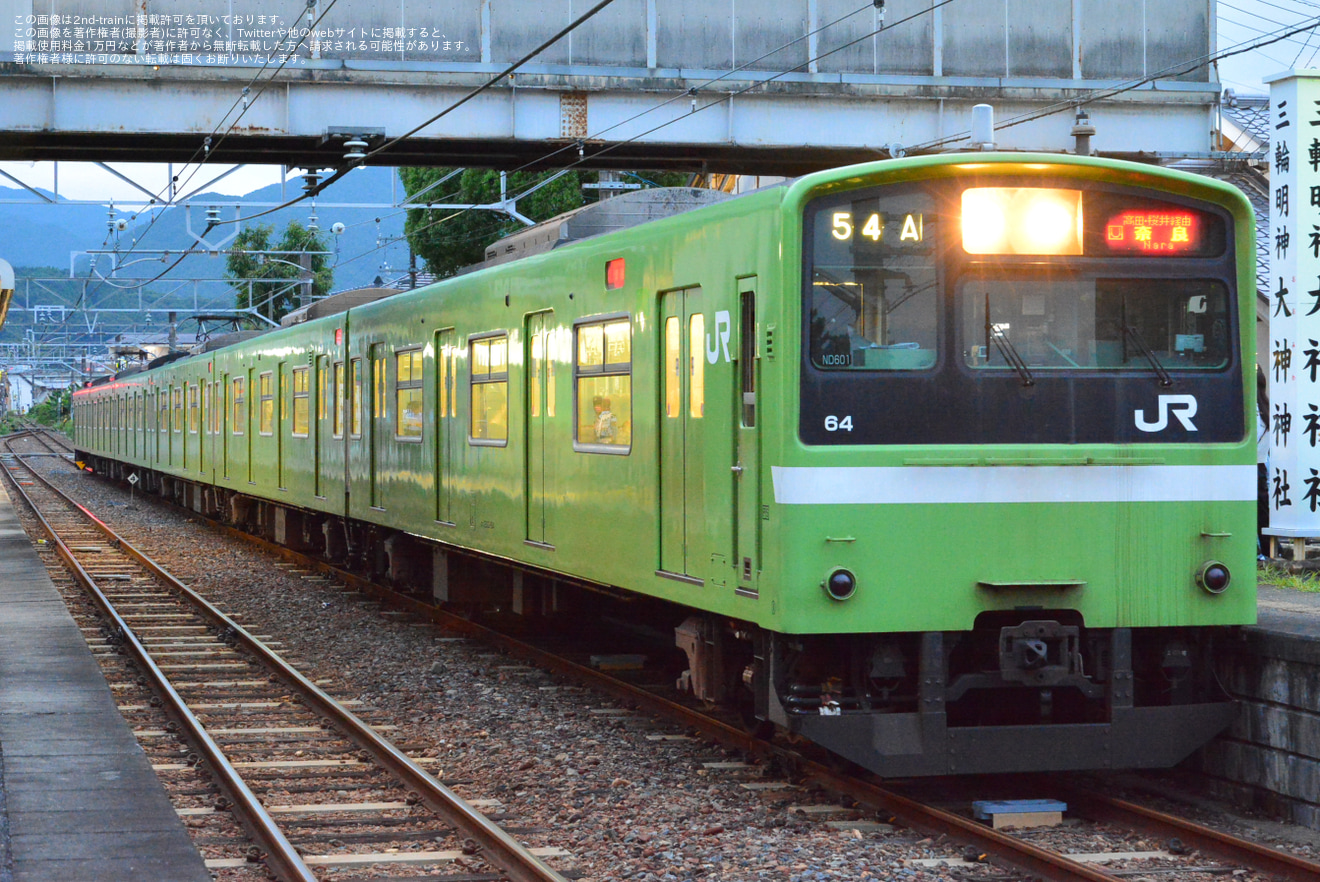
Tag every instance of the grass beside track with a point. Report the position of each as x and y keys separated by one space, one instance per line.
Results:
x=1277 y=577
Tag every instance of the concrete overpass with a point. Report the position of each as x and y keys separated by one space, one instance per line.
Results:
x=791 y=85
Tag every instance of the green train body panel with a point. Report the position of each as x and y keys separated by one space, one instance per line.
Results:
x=543 y=501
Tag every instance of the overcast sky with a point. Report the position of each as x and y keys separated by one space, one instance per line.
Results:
x=1240 y=22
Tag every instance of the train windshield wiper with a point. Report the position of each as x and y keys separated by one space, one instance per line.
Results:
x=1135 y=336
x=1006 y=348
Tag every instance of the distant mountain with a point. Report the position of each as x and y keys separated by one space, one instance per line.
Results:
x=44 y=235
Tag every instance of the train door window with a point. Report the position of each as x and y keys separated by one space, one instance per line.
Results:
x=240 y=404
x=266 y=391
x=218 y=406
x=696 y=366
x=489 y=360
x=747 y=356
x=377 y=381
x=206 y=408
x=301 y=404
x=162 y=410
x=194 y=415
x=322 y=382
x=408 y=395
x=177 y=397
x=446 y=356
x=340 y=396
x=603 y=374
x=355 y=406
x=673 y=367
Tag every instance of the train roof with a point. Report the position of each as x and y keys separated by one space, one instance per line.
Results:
x=598 y=218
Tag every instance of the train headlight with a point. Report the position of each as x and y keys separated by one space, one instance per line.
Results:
x=1021 y=220
x=840 y=584
x=985 y=220
x=1213 y=577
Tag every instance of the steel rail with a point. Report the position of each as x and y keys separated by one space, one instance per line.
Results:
x=495 y=845
x=281 y=857
x=1019 y=854
x=1216 y=843
x=1015 y=852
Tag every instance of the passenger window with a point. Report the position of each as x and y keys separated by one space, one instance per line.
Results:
x=604 y=385
x=267 y=403
x=697 y=366
x=408 y=394
x=490 y=390
x=301 y=405
x=239 y=405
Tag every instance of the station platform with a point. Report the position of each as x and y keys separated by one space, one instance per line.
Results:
x=1289 y=612
x=78 y=799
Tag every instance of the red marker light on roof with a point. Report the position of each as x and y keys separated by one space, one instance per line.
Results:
x=614 y=274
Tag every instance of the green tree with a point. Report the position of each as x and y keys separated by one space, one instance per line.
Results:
x=449 y=239
x=275 y=298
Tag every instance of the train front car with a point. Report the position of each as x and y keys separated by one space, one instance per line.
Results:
x=1021 y=500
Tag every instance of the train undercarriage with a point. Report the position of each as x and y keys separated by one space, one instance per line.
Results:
x=1028 y=690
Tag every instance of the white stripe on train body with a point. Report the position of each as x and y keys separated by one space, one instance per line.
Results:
x=960 y=485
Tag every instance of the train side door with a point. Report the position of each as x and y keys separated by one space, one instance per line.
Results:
x=281 y=414
x=224 y=399
x=682 y=434
x=321 y=383
x=540 y=405
x=377 y=425
x=746 y=467
x=448 y=433
x=251 y=429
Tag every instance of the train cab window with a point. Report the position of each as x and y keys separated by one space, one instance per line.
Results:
x=194 y=415
x=408 y=394
x=489 y=360
x=355 y=404
x=872 y=288
x=301 y=402
x=176 y=395
x=266 y=413
x=603 y=384
x=240 y=404
x=1046 y=322
x=340 y=394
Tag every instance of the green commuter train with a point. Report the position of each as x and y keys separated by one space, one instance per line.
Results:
x=942 y=462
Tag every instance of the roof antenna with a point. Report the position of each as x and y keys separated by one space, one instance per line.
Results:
x=983 y=127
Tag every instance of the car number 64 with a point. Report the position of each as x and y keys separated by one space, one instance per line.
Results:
x=836 y=423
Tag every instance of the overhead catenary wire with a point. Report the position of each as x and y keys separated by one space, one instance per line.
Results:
x=1128 y=86
x=206 y=148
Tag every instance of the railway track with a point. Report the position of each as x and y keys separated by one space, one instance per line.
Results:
x=291 y=762
x=1197 y=851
